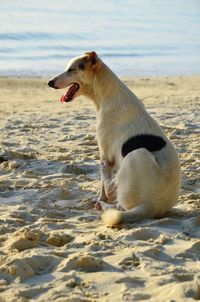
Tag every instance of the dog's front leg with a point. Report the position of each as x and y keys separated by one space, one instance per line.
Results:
x=104 y=178
x=108 y=187
x=109 y=184
x=102 y=192
x=102 y=196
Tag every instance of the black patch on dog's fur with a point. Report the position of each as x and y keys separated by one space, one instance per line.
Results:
x=148 y=141
x=81 y=66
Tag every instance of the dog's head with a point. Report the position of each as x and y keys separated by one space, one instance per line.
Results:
x=78 y=76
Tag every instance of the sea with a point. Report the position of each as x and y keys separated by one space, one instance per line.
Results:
x=134 y=37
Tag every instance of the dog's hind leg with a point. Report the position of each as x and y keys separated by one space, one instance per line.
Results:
x=137 y=189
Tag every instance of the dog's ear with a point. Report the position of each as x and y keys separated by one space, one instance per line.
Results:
x=93 y=60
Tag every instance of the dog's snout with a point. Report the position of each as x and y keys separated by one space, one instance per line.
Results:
x=51 y=83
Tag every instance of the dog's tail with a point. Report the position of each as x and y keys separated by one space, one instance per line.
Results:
x=112 y=217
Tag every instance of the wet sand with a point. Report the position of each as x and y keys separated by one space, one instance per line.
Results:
x=53 y=244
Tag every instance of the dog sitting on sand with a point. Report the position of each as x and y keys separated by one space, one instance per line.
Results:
x=140 y=169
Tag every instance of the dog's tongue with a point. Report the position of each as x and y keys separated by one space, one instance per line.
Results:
x=68 y=96
x=62 y=99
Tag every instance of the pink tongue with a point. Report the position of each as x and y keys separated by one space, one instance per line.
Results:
x=68 y=96
x=63 y=99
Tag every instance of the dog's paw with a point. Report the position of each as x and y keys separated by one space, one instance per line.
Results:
x=119 y=207
x=102 y=205
x=98 y=206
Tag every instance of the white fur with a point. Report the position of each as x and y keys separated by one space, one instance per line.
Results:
x=147 y=184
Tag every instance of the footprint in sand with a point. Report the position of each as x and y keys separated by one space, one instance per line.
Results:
x=193 y=252
x=184 y=277
x=132 y=281
x=143 y=234
x=41 y=264
x=17 y=268
x=130 y=262
x=130 y=296
x=24 y=240
x=58 y=239
x=85 y=263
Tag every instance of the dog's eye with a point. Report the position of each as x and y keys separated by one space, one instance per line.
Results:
x=71 y=69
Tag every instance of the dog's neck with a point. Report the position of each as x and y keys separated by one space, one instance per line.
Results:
x=108 y=88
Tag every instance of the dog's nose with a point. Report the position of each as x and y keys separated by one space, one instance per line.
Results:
x=51 y=83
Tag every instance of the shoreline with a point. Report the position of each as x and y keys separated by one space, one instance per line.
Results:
x=53 y=244
x=121 y=77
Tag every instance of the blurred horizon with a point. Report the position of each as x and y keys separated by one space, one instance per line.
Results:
x=141 y=38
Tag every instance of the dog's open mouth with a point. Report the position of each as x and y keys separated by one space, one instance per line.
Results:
x=69 y=95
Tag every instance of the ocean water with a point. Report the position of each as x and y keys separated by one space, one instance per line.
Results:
x=134 y=37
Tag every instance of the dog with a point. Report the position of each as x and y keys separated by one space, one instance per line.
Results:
x=140 y=168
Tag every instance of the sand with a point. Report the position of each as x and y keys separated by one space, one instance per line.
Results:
x=53 y=244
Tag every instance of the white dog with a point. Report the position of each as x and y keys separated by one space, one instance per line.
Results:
x=140 y=169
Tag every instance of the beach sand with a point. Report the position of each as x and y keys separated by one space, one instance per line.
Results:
x=53 y=244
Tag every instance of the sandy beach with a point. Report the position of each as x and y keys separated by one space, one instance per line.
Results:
x=53 y=244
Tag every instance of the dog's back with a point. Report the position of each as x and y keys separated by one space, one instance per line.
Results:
x=148 y=169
